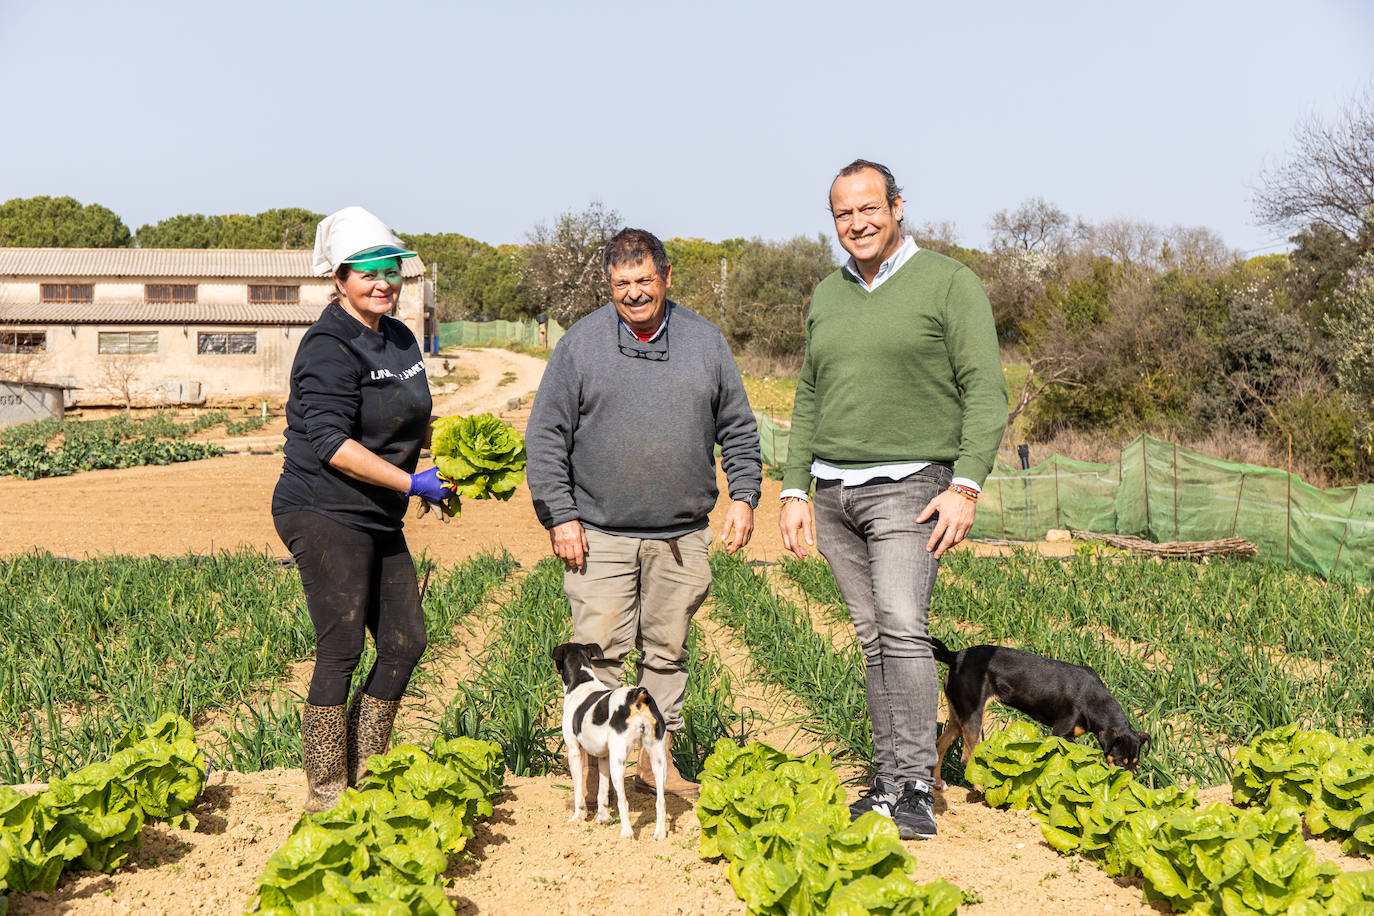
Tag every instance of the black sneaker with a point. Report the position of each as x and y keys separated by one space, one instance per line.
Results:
x=881 y=795
x=914 y=812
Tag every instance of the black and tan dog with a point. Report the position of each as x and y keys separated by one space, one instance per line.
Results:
x=1070 y=699
x=607 y=724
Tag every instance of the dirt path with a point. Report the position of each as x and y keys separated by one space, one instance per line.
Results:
x=525 y=860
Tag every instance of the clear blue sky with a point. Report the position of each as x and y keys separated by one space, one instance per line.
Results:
x=707 y=119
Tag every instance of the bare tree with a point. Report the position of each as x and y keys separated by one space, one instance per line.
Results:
x=1143 y=248
x=562 y=269
x=1035 y=225
x=121 y=375
x=1196 y=249
x=1329 y=179
x=941 y=236
x=1134 y=244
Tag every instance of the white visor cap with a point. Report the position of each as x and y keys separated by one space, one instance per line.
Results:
x=342 y=236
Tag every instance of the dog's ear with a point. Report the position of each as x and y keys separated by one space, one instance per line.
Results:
x=564 y=659
x=1105 y=739
x=592 y=650
x=1144 y=743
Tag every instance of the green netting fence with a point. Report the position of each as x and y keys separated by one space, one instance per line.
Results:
x=477 y=333
x=1166 y=492
x=772 y=438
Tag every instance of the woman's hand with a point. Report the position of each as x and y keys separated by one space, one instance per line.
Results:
x=428 y=485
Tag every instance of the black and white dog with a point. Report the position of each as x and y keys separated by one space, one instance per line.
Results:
x=607 y=724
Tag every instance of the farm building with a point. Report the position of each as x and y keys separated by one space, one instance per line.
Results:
x=137 y=326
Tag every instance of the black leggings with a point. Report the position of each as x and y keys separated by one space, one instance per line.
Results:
x=356 y=581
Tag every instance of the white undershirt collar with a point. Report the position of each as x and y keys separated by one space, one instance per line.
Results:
x=885 y=269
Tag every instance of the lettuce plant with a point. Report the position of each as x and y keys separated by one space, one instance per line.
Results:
x=1012 y=762
x=385 y=846
x=164 y=769
x=91 y=818
x=1221 y=859
x=1281 y=767
x=479 y=456
x=781 y=822
x=1343 y=804
x=454 y=800
x=32 y=852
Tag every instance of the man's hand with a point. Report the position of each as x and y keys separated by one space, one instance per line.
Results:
x=569 y=543
x=739 y=526
x=794 y=521
x=956 y=518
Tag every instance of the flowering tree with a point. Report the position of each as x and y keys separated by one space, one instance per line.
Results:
x=562 y=269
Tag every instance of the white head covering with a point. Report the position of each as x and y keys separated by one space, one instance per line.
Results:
x=353 y=234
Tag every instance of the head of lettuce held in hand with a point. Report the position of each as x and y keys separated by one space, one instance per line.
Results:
x=479 y=456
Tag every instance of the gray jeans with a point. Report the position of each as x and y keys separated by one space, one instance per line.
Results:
x=869 y=536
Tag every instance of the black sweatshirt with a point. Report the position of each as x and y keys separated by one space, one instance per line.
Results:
x=350 y=382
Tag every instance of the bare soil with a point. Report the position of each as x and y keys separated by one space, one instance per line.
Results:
x=526 y=859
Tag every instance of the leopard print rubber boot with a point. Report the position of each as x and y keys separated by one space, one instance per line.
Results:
x=324 y=742
x=369 y=732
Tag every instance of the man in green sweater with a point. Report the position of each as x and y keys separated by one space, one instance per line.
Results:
x=900 y=408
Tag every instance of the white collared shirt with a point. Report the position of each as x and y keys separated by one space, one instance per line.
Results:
x=852 y=477
x=885 y=269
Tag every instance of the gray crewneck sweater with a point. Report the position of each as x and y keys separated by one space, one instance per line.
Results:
x=627 y=445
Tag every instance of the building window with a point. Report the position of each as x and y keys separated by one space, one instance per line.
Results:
x=223 y=344
x=126 y=343
x=68 y=292
x=169 y=292
x=23 y=341
x=274 y=295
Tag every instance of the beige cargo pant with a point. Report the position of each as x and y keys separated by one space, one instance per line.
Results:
x=633 y=593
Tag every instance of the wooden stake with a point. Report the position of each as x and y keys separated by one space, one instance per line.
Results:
x=1288 y=526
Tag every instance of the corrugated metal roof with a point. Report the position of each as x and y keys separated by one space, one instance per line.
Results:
x=139 y=312
x=165 y=262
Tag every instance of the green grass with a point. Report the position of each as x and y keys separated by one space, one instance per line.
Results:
x=786 y=650
x=513 y=693
x=94 y=646
x=771 y=394
x=1201 y=656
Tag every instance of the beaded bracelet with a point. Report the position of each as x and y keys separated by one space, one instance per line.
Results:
x=799 y=499
x=966 y=492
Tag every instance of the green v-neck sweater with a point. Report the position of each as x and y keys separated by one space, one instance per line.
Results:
x=907 y=372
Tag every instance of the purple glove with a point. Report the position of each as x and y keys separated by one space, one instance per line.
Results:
x=427 y=484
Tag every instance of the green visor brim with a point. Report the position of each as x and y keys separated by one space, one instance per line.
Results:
x=377 y=252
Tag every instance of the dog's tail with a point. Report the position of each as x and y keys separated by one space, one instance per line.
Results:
x=941 y=651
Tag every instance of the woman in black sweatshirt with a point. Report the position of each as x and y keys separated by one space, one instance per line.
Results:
x=357 y=417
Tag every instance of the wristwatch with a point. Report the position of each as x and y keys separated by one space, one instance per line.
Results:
x=751 y=497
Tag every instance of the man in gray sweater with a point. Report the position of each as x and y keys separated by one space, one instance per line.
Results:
x=621 y=465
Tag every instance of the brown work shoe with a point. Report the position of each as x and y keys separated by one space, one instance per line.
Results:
x=674 y=783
